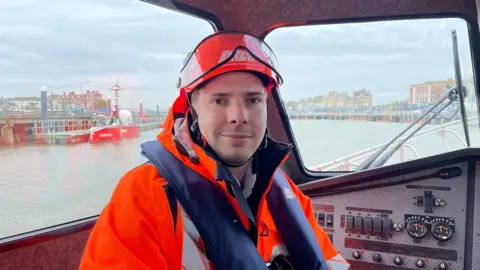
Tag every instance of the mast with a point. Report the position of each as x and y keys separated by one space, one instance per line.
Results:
x=116 y=89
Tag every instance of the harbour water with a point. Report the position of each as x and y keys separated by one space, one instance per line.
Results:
x=41 y=186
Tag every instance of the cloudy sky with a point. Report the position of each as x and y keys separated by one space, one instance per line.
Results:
x=60 y=44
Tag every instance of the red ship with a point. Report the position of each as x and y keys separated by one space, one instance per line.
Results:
x=118 y=126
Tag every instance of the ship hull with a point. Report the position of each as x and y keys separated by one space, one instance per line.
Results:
x=113 y=133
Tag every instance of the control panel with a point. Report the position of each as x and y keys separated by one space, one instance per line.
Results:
x=405 y=222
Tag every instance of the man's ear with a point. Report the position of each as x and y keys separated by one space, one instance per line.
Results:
x=193 y=101
x=194 y=97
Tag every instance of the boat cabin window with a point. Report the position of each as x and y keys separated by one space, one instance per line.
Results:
x=66 y=69
x=351 y=88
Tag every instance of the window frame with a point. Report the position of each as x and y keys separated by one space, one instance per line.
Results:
x=295 y=167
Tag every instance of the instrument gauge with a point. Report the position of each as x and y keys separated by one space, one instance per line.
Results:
x=442 y=229
x=417 y=228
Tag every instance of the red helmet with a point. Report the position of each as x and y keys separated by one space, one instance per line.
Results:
x=228 y=51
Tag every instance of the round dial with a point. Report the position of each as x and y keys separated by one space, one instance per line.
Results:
x=417 y=228
x=442 y=229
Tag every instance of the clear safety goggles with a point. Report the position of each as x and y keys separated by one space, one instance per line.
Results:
x=224 y=52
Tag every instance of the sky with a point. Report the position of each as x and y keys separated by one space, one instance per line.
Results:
x=59 y=44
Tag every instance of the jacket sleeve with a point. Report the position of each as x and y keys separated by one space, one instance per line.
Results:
x=127 y=235
x=334 y=259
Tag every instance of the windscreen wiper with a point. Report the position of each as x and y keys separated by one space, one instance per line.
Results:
x=452 y=95
x=383 y=159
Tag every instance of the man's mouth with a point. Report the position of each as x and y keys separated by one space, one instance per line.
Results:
x=236 y=135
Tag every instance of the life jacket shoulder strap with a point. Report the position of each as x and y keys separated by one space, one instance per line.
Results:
x=172 y=202
x=190 y=188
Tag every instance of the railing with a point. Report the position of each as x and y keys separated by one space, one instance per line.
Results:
x=36 y=117
x=57 y=126
x=149 y=119
x=81 y=125
x=393 y=113
x=349 y=162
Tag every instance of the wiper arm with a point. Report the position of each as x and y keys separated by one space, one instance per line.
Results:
x=368 y=162
x=390 y=152
x=452 y=95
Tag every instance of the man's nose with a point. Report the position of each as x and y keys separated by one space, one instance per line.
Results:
x=237 y=113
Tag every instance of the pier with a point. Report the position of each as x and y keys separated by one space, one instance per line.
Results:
x=393 y=117
x=400 y=117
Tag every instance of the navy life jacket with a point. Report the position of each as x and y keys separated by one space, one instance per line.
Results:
x=227 y=242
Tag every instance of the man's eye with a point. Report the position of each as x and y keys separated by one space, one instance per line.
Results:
x=219 y=101
x=254 y=100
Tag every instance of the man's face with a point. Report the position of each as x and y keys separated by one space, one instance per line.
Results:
x=232 y=115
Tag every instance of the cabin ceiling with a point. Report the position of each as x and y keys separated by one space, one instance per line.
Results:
x=258 y=17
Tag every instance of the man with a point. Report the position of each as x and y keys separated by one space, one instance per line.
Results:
x=212 y=196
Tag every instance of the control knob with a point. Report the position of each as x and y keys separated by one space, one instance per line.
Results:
x=398 y=260
x=356 y=254
x=398 y=227
x=377 y=257
x=420 y=263
x=439 y=202
x=442 y=266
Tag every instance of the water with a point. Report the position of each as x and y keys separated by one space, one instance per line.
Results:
x=326 y=140
x=47 y=185
x=41 y=186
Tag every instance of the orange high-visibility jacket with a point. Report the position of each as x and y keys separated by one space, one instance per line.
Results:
x=136 y=231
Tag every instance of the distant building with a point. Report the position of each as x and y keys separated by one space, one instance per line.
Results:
x=429 y=92
x=292 y=105
x=362 y=98
x=72 y=100
x=336 y=99
x=21 y=104
x=333 y=100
